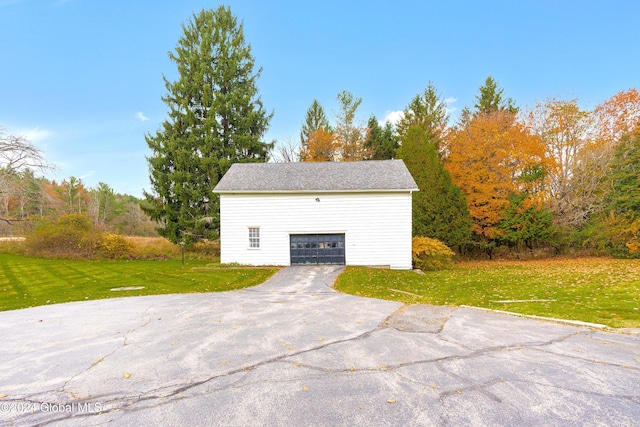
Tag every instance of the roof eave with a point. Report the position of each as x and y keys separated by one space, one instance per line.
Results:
x=385 y=190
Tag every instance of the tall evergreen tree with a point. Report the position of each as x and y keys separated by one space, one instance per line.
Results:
x=490 y=100
x=439 y=209
x=624 y=197
x=381 y=142
x=427 y=111
x=314 y=119
x=215 y=119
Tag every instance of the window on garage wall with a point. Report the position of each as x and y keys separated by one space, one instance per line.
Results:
x=254 y=237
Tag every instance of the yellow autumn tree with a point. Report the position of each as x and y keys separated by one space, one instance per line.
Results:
x=490 y=158
x=320 y=147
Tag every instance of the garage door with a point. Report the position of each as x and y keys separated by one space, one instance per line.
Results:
x=317 y=249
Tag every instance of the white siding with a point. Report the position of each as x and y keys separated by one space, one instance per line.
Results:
x=377 y=226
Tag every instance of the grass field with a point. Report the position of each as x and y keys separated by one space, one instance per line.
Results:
x=597 y=290
x=28 y=282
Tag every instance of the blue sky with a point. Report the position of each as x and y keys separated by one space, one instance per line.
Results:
x=83 y=79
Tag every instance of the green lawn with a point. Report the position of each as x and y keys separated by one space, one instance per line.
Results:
x=28 y=282
x=597 y=290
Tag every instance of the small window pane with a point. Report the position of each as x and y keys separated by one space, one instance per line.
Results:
x=254 y=237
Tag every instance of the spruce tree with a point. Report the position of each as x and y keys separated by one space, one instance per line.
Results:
x=490 y=100
x=215 y=119
x=381 y=142
x=315 y=119
x=427 y=111
x=439 y=209
x=624 y=197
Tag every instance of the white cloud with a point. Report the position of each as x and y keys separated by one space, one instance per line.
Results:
x=36 y=134
x=448 y=101
x=140 y=116
x=87 y=175
x=392 y=117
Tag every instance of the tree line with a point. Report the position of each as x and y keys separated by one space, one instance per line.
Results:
x=554 y=176
x=27 y=198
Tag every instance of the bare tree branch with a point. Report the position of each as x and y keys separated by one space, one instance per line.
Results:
x=17 y=154
x=286 y=151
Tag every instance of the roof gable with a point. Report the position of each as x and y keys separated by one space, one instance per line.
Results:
x=372 y=175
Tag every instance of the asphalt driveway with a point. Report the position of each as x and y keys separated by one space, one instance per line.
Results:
x=294 y=352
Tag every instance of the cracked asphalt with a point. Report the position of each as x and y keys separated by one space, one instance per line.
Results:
x=294 y=352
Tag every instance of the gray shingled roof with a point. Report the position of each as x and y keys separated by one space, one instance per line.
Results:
x=382 y=175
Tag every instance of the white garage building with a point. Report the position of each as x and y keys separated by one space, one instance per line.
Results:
x=353 y=213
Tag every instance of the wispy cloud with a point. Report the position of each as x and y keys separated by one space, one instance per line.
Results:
x=87 y=175
x=140 y=116
x=35 y=134
x=448 y=101
x=392 y=117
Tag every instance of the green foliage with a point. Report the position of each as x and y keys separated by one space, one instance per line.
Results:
x=525 y=224
x=216 y=118
x=439 y=209
x=30 y=282
x=624 y=197
x=314 y=119
x=430 y=254
x=490 y=100
x=618 y=233
x=381 y=143
x=427 y=111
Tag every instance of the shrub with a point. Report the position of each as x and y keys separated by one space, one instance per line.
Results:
x=114 y=246
x=71 y=236
x=430 y=254
x=152 y=248
x=205 y=250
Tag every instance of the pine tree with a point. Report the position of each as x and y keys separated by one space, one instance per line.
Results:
x=427 y=111
x=215 y=119
x=489 y=100
x=624 y=197
x=439 y=208
x=315 y=119
x=381 y=142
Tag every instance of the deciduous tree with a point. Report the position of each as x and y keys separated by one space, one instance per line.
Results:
x=575 y=178
x=490 y=158
x=350 y=135
x=216 y=118
x=617 y=116
x=19 y=159
x=321 y=147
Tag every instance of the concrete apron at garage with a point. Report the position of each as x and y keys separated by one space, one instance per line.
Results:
x=295 y=352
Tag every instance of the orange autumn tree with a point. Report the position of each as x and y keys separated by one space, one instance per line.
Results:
x=617 y=116
x=320 y=147
x=490 y=158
